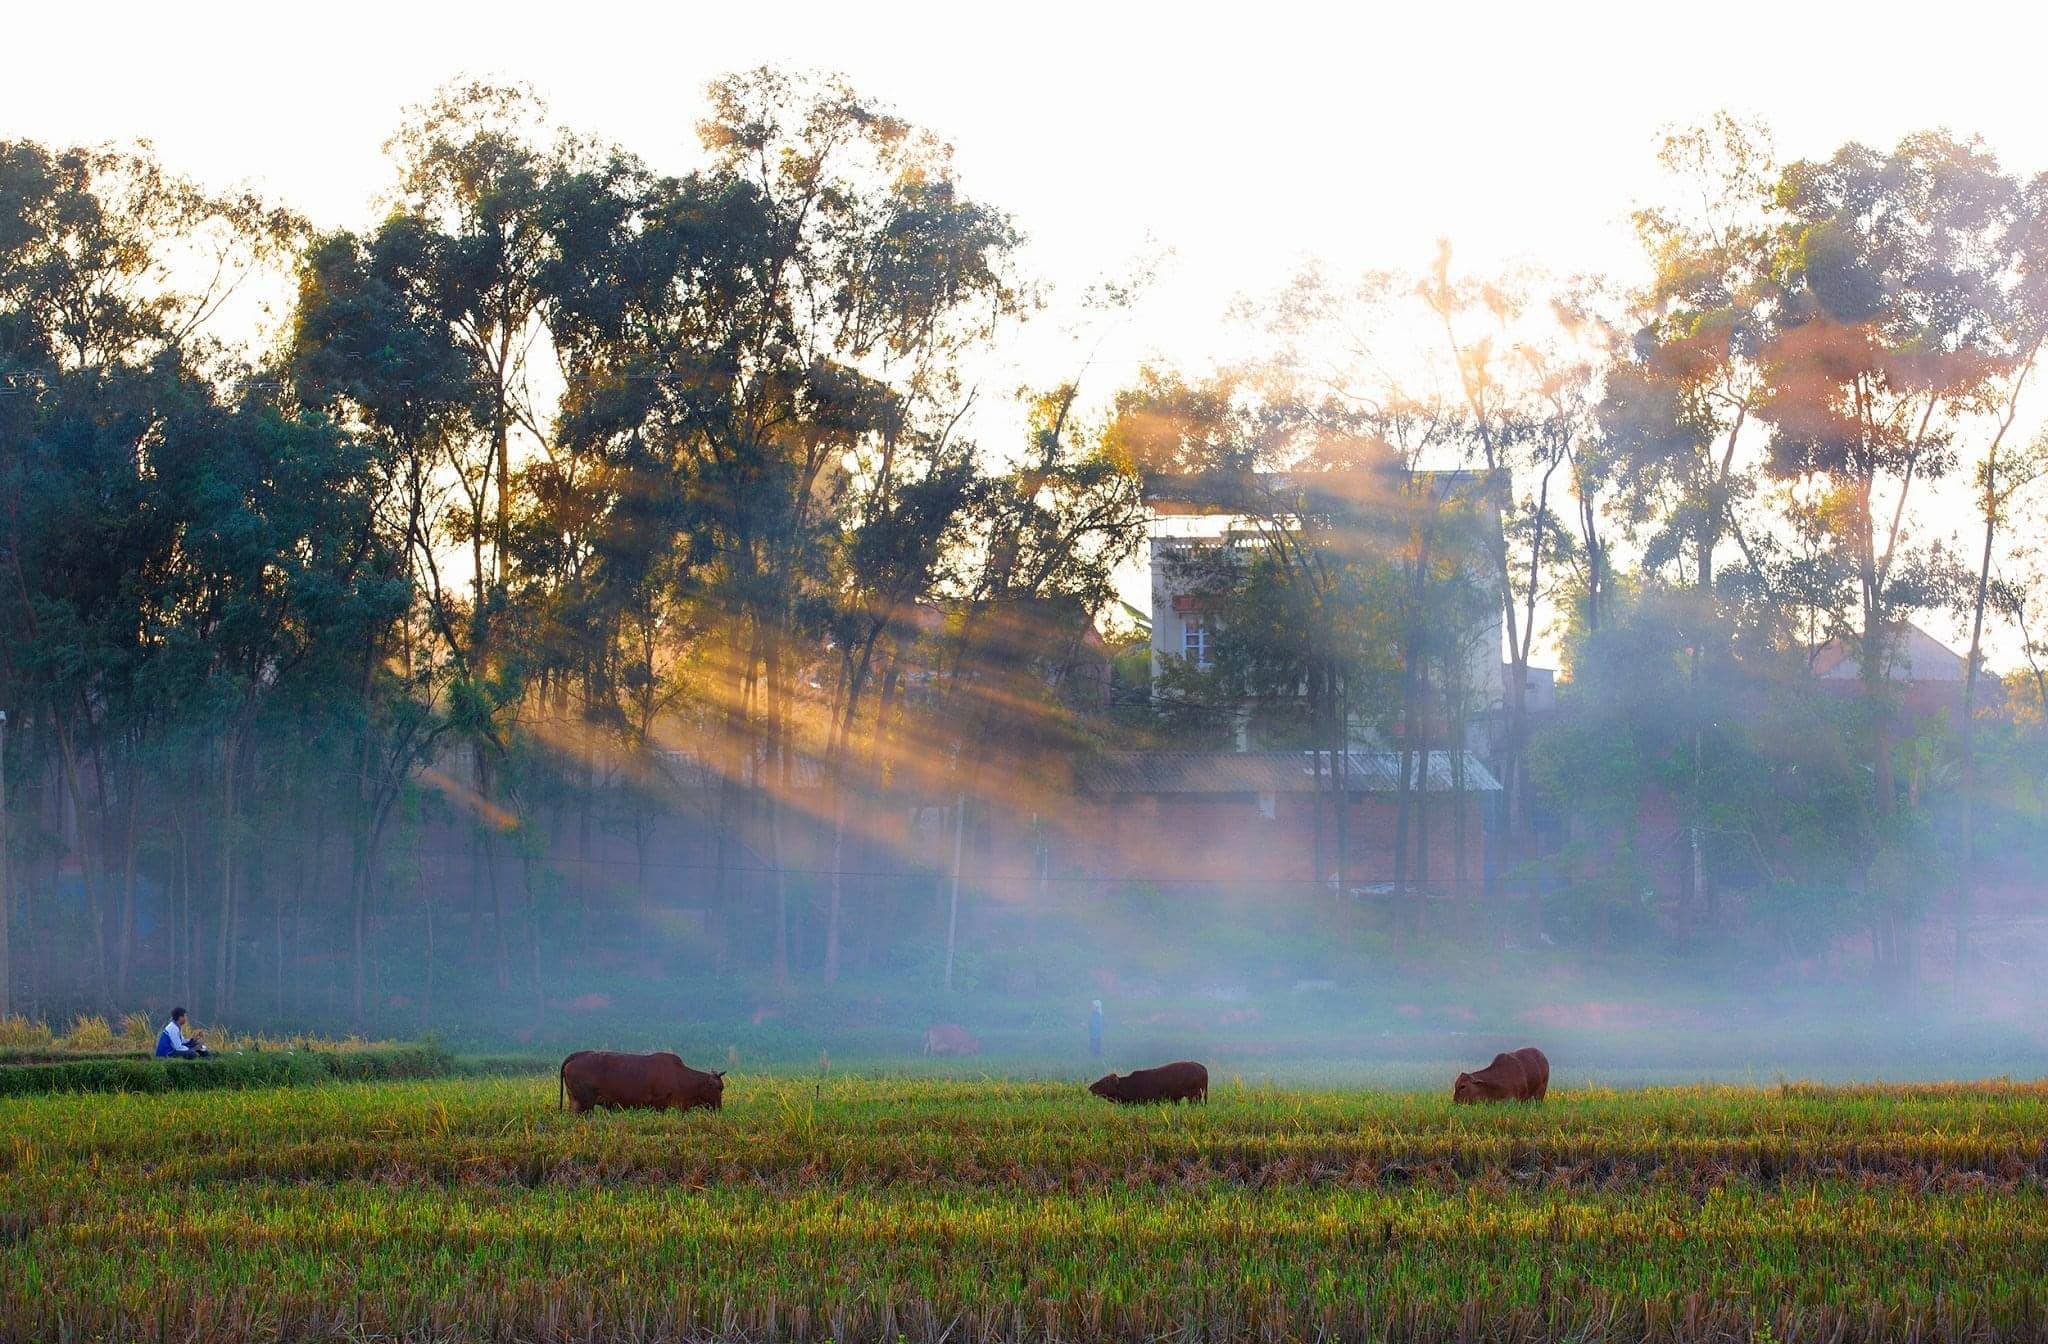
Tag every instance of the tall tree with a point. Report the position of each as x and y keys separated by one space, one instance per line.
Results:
x=112 y=272
x=793 y=310
x=1888 y=333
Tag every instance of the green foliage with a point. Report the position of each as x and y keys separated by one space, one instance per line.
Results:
x=737 y=578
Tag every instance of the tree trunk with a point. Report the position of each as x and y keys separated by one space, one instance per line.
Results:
x=501 y=963
x=282 y=917
x=181 y=917
x=124 y=942
x=780 y=956
x=1316 y=790
x=6 y=889
x=776 y=792
x=527 y=869
x=1966 y=876
x=1340 y=762
x=96 y=961
x=953 y=905
x=1460 y=824
x=318 y=883
x=837 y=879
x=359 y=934
x=225 y=935
x=427 y=993
x=643 y=836
x=1421 y=865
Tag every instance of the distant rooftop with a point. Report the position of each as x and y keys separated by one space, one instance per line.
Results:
x=1919 y=656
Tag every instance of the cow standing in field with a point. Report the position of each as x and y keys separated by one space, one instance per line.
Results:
x=947 y=1039
x=1521 y=1076
x=660 y=1081
x=1182 y=1080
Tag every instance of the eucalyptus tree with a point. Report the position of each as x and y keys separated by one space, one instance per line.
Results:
x=897 y=552
x=776 y=351
x=1999 y=475
x=1043 y=542
x=113 y=276
x=1679 y=413
x=434 y=339
x=1891 y=333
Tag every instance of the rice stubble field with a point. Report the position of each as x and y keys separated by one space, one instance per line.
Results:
x=926 y=1210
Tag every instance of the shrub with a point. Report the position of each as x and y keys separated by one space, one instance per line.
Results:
x=263 y=1069
x=506 y=1066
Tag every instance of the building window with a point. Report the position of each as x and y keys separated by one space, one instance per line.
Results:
x=1195 y=641
x=1269 y=805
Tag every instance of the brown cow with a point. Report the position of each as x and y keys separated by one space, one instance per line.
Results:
x=1521 y=1076
x=1182 y=1080
x=947 y=1039
x=607 y=1078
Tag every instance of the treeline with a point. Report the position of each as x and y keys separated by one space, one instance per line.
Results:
x=566 y=478
x=1734 y=487
x=578 y=495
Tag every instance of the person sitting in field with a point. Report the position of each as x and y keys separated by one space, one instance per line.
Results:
x=173 y=1043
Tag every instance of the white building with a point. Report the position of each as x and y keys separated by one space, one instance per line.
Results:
x=1186 y=523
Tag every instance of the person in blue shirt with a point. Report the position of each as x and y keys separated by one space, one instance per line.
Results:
x=173 y=1043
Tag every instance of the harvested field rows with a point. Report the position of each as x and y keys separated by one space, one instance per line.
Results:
x=867 y=1209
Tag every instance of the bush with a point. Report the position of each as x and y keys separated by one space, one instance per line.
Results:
x=262 y=1069
x=506 y=1066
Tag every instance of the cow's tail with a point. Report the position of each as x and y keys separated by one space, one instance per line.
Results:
x=562 y=1086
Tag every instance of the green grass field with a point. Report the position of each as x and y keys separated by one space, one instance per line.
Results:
x=933 y=1209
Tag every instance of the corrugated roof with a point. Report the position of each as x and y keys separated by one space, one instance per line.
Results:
x=1272 y=772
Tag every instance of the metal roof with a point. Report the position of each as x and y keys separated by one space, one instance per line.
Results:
x=1916 y=656
x=1274 y=772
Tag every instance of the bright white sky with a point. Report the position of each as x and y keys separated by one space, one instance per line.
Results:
x=1245 y=138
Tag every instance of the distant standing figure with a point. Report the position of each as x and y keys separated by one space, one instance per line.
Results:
x=173 y=1042
x=945 y=1038
x=1095 y=1030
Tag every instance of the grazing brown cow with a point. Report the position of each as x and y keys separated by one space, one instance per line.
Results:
x=1538 y=1066
x=947 y=1039
x=1183 y=1080
x=1521 y=1076
x=607 y=1078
